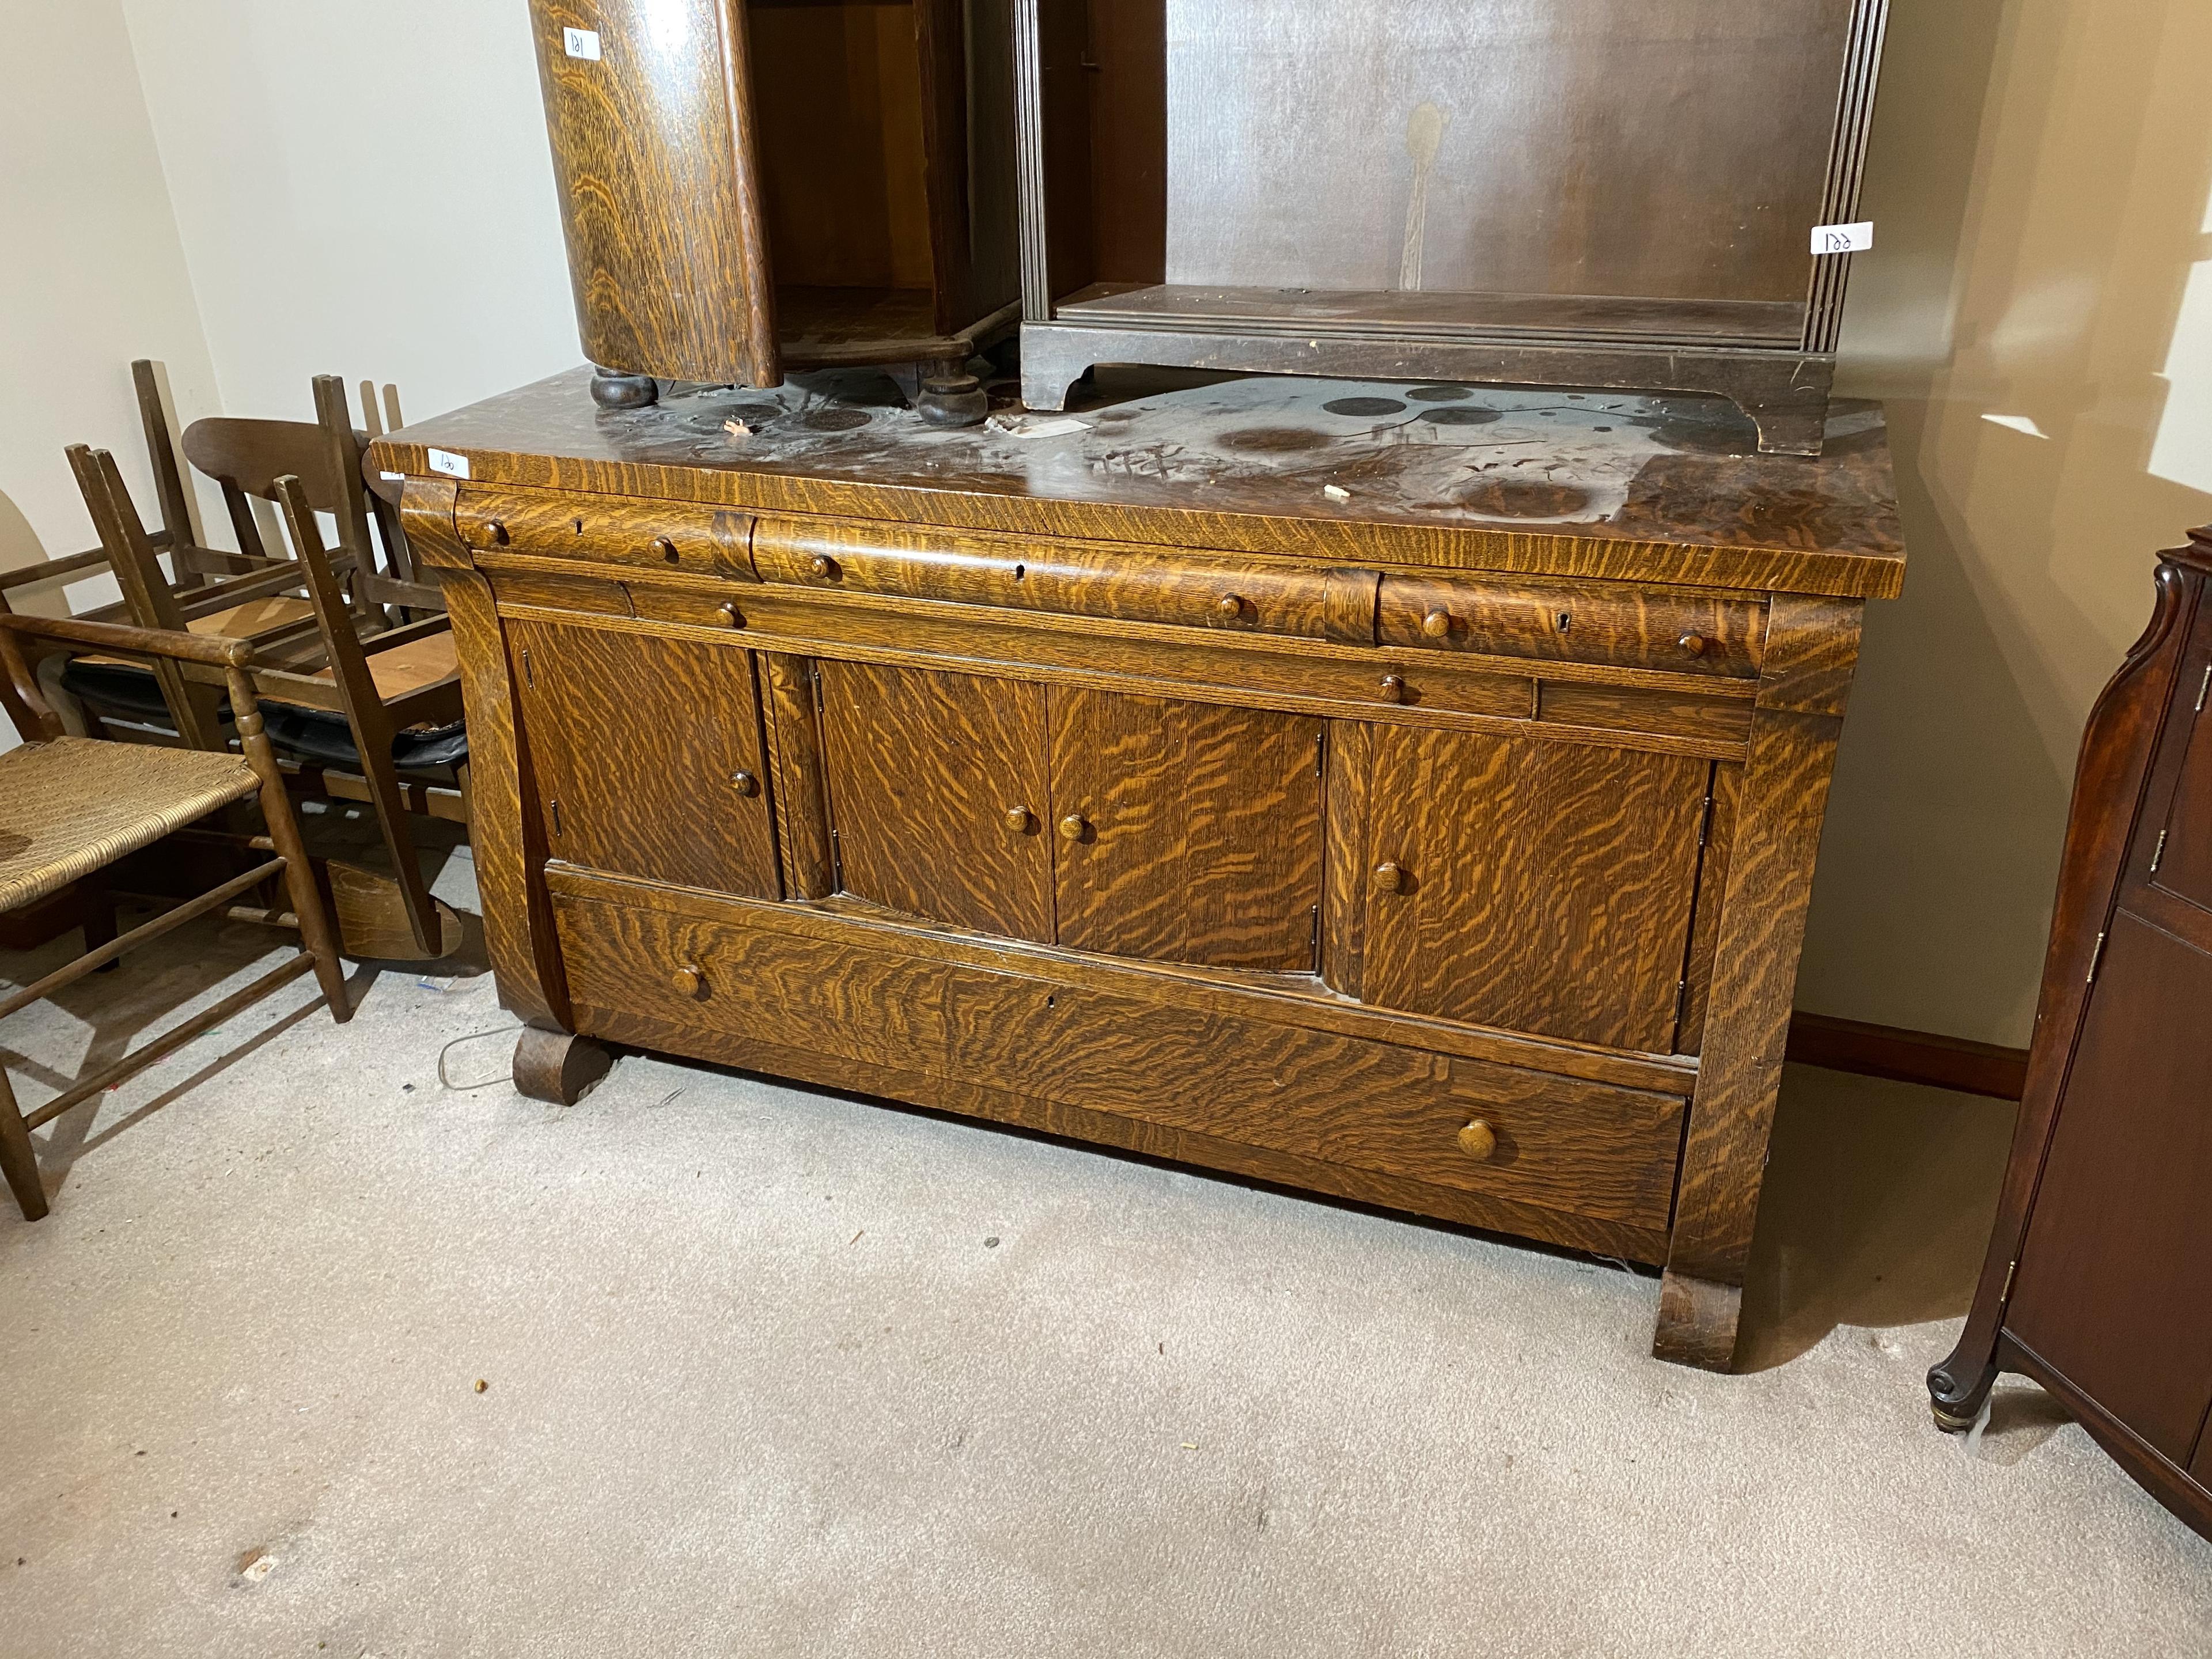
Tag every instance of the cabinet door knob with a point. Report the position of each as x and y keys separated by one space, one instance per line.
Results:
x=729 y=614
x=1073 y=826
x=666 y=548
x=495 y=533
x=1231 y=605
x=1478 y=1140
x=745 y=783
x=1394 y=688
x=1390 y=876
x=1693 y=645
x=1019 y=820
x=823 y=565
x=688 y=979
x=1437 y=624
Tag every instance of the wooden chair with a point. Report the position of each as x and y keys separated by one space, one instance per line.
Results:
x=69 y=807
x=364 y=715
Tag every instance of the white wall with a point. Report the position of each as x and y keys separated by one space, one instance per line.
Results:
x=92 y=275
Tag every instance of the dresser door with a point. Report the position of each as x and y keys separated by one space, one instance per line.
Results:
x=646 y=755
x=936 y=795
x=1532 y=886
x=1186 y=831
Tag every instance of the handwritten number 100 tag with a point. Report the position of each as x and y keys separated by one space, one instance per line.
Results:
x=1843 y=238
x=582 y=43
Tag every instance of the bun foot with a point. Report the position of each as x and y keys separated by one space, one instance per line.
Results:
x=614 y=390
x=558 y=1067
x=952 y=400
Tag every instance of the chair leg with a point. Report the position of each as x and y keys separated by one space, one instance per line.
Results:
x=18 y=1162
x=317 y=937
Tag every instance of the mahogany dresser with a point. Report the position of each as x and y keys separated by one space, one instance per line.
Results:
x=2099 y=1279
x=1408 y=794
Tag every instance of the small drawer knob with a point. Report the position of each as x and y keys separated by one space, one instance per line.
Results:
x=1478 y=1140
x=494 y=532
x=1072 y=827
x=1693 y=645
x=823 y=565
x=1390 y=876
x=730 y=616
x=745 y=783
x=1394 y=688
x=688 y=979
x=1019 y=818
x=1231 y=605
x=666 y=548
x=1437 y=624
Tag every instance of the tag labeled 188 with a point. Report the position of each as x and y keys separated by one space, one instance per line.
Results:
x=1843 y=238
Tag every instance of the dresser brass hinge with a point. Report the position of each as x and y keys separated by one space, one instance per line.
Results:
x=2159 y=851
x=836 y=860
x=2205 y=689
x=1706 y=823
x=2009 y=1272
x=1316 y=938
x=528 y=678
x=1682 y=1000
x=557 y=816
x=1321 y=752
x=2096 y=958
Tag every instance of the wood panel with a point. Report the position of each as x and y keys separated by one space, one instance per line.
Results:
x=2184 y=850
x=925 y=769
x=2115 y=1276
x=1583 y=1148
x=1199 y=830
x=1351 y=759
x=682 y=294
x=648 y=756
x=1542 y=888
x=802 y=804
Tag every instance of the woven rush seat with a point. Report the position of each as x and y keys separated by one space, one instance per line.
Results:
x=70 y=806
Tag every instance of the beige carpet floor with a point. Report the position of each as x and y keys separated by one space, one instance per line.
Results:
x=769 y=1372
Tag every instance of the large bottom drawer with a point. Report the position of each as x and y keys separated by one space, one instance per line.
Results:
x=1577 y=1163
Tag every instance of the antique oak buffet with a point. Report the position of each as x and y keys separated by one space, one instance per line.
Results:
x=1406 y=793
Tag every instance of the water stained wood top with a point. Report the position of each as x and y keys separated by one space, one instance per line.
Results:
x=1600 y=484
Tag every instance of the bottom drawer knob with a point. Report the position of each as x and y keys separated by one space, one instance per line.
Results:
x=1073 y=826
x=1390 y=876
x=1019 y=820
x=745 y=783
x=1693 y=645
x=689 y=979
x=1394 y=688
x=1478 y=1140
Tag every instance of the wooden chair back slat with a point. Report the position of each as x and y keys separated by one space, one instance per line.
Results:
x=251 y=455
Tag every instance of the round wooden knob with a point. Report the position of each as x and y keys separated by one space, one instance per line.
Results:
x=1693 y=645
x=1073 y=826
x=666 y=548
x=730 y=617
x=1231 y=605
x=1478 y=1140
x=823 y=565
x=745 y=783
x=688 y=979
x=1394 y=688
x=1437 y=624
x=495 y=533
x=1390 y=876
x=1019 y=820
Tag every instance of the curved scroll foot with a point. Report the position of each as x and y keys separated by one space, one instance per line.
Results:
x=1697 y=1322
x=610 y=389
x=558 y=1067
x=1958 y=1387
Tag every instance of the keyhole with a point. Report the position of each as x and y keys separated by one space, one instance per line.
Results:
x=1564 y=622
x=1020 y=570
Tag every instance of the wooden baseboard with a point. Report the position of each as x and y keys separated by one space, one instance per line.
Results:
x=1942 y=1062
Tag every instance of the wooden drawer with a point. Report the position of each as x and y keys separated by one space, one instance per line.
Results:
x=553 y=591
x=1558 y=1143
x=722 y=606
x=1672 y=629
x=1074 y=578
x=703 y=541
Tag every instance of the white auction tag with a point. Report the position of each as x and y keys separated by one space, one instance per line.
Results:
x=1843 y=239
x=453 y=465
x=391 y=477
x=582 y=43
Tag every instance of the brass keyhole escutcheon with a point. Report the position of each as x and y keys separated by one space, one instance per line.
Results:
x=745 y=783
x=730 y=617
x=823 y=565
x=689 y=979
x=1231 y=605
x=1437 y=624
x=1072 y=827
x=1019 y=818
x=1394 y=688
x=1390 y=876
x=666 y=548
x=1693 y=645
x=1478 y=1140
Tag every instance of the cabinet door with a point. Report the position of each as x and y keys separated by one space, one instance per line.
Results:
x=2114 y=1282
x=1186 y=831
x=1533 y=886
x=2185 y=841
x=936 y=795
x=646 y=755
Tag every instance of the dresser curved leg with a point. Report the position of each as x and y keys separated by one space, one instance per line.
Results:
x=558 y=1067
x=1958 y=1386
